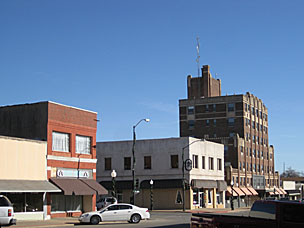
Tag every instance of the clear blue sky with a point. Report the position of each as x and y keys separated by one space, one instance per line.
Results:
x=129 y=60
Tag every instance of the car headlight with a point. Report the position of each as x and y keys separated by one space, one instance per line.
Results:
x=85 y=215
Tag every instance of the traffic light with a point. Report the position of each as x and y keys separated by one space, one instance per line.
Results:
x=137 y=184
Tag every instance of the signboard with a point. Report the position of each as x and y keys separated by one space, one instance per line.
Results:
x=81 y=173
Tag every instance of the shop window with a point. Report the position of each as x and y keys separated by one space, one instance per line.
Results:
x=26 y=202
x=210 y=196
x=174 y=161
x=127 y=163
x=83 y=144
x=147 y=162
x=219 y=198
x=195 y=198
x=108 y=164
x=60 y=141
x=66 y=202
x=230 y=122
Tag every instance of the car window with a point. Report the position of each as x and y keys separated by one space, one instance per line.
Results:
x=4 y=202
x=112 y=208
x=109 y=200
x=263 y=210
x=124 y=207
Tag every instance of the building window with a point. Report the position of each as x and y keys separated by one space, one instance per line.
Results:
x=247 y=168
x=203 y=162
x=219 y=164
x=60 y=141
x=231 y=134
x=252 y=110
x=195 y=161
x=190 y=110
x=253 y=125
x=253 y=153
x=83 y=144
x=207 y=122
x=211 y=165
x=214 y=122
x=147 y=162
x=240 y=165
x=258 y=154
x=174 y=161
x=214 y=107
x=244 y=166
x=127 y=163
x=242 y=149
x=108 y=164
x=231 y=107
x=191 y=124
x=230 y=122
x=207 y=108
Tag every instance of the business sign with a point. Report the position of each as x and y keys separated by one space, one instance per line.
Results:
x=81 y=173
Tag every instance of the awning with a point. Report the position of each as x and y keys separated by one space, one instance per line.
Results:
x=27 y=186
x=100 y=190
x=283 y=191
x=254 y=192
x=246 y=191
x=120 y=185
x=72 y=186
x=204 y=184
x=239 y=191
x=221 y=185
x=230 y=193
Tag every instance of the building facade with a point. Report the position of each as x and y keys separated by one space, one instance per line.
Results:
x=70 y=134
x=240 y=122
x=23 y=177
x=160 y=160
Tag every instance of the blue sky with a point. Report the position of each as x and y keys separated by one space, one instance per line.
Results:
x=129 y=60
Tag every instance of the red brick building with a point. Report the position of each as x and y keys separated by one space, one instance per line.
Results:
x=240 y=122
x=71 y=151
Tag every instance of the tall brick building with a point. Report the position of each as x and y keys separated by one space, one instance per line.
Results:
x=240 y=122
x=70 y=134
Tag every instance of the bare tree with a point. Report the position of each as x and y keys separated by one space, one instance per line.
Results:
x=290 y=172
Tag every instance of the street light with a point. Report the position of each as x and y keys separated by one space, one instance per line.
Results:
x=134 y=161
x=151 y=194
x=183 y=168
x=231 y=202
x=113 y=175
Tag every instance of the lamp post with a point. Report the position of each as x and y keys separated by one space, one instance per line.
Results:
x=151 y=194
x=113 y=175
x=134 y=160
x=274 y=191
x=231 y=202
x=184 y=167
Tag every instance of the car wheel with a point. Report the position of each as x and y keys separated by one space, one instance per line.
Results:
x=95 y=220
x=135 y=218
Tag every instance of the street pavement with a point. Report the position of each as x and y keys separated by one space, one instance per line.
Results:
x=159 y=219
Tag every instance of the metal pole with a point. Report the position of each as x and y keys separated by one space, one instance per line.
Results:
x=133 y=167
x=183 y=169
x=151 y=197
x=114 y=186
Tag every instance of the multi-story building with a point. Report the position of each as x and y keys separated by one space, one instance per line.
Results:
x=160 y=160
x=70 y=134
x=240 y=122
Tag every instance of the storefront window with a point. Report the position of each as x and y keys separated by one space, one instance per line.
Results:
x=26 y=202
x=66 y=203
x=195 y=198
x=209 y=196
x=219 y=197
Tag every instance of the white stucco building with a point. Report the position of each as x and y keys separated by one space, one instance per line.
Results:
x=160 y=160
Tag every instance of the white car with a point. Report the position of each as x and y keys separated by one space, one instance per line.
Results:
x=116 y=212
x=6 y=212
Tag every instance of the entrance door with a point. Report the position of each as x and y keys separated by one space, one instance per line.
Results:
x=201 y=199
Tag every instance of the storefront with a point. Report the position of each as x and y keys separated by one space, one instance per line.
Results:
x=28 y=197
x=76 y=197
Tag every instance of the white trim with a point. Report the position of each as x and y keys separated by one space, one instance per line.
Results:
x=73 y=159
x=71 y=107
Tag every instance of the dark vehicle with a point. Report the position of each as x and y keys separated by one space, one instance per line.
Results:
x=263 y=214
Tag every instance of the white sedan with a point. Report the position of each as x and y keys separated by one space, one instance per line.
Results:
x=116 y=212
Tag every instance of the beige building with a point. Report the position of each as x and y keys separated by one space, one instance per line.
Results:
x=161 y=161
x=23 y=177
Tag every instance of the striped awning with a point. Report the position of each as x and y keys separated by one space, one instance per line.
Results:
x=230 y=192
x=239 y=191
x=246 y=191
x=254 y=192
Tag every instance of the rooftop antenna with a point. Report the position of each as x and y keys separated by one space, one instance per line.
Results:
x=198 y=56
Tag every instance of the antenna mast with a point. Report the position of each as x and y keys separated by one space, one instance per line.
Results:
x=198 y=56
